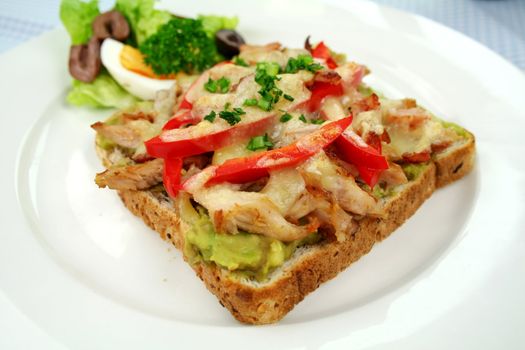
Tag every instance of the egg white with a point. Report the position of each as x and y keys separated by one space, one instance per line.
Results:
x=138 y=85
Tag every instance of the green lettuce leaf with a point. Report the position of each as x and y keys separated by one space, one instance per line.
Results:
x=142 y=17
x=212 y=24
x=77 y=16
x=102 y=92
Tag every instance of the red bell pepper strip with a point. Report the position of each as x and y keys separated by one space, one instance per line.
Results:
x=185 y=143
x=183 y=117
x=171 y=176
x=369 y=176
x=320 y=90
x=185 y=104
x=368 y=159
x=322 y=51
x=246 y=169
x=355 y=150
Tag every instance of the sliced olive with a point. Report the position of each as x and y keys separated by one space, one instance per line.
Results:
x=228 y=42
x=111 y=24
x=84 y=61
x=307 y=44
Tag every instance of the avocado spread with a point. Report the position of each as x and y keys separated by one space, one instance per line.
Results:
x=412 y=171
x=249 y=254
x=458 y=129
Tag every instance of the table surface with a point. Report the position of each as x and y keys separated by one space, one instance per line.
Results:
x=498 y=24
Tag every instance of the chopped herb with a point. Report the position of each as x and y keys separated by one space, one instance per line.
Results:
x=270 y=68
x=265 y=76
x=259 y=142
x=285 y=117
x=264 y=105
x=210 y=117
x=239 y=111
x=232 y=117
x=317 y=121
x=302 y=62
x=250 y=102
x=239 y=62
x=288 y=97
x=221 y=85
x=303 y=118
x=227 y=105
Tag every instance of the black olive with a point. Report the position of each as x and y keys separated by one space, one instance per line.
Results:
x=228 y=42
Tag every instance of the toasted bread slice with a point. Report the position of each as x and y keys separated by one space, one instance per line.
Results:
x=269 y=301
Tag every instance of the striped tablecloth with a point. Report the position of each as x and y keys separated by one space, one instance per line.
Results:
x=498 y=24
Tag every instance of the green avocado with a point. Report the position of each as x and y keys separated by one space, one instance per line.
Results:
x=412 y=171
x=458 y=129
x=247 y=254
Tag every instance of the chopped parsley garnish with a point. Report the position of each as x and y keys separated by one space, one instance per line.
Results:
x=265 y=76
x=239 y=62
x=317 y=121
x=288 y=97
x=302 y=62
x=211 y=116
x=259 y=142
x=285 y=117
x=232 y=117
x=303 y=118
x=221 y=85
x=250 y=102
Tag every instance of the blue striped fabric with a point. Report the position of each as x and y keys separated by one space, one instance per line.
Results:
x=498 y=24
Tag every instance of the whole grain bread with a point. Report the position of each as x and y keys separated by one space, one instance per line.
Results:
x=267 y=302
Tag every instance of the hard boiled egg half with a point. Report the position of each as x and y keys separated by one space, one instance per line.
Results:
x=126 y=65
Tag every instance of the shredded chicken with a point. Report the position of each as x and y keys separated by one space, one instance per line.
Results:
x=327 y=76
x=319 y=172
x=232 y=210
x=284 y=188
x=333 y=217
x=329 y=214
x=122 y=135
x=132 y=177
x=269 y=53
x=393 y=176
x=351 y=73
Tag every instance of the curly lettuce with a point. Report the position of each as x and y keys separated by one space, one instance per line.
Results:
x=77 y=16
x=143 y=18
x=103 y=92
x=212 y=24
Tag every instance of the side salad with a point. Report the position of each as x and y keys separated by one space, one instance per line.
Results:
x=122 y=56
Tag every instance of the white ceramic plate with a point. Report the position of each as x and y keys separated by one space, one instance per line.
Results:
x=90 y=275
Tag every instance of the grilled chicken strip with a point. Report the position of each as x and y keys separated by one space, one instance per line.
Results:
x=132 y=177
x=231 y=210
x=321 y=173
x=122 y=135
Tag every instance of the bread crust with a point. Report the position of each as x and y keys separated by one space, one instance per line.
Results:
x=453 y=165
x=270 y=302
